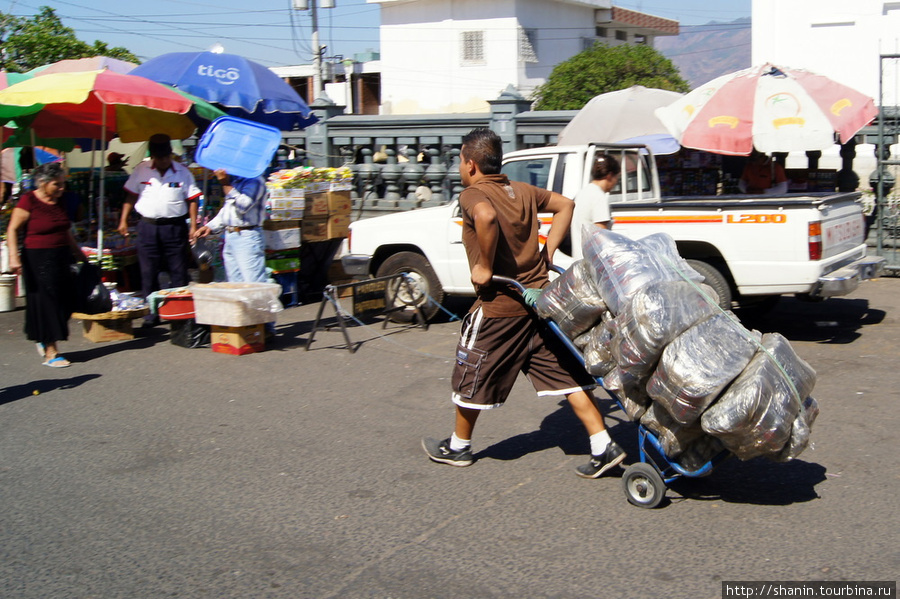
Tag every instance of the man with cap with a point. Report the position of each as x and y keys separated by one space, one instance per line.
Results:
x=116 y=162
x=163 y=192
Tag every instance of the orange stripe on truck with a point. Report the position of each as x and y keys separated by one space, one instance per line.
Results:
x=667 y=219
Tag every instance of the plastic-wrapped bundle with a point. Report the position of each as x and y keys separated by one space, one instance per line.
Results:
x=755 y=415
x=699 y=452
x=654 y=317
x=665 y=247
x=629 y=391
x=572 y=301
x=674 y=437
x=800 y=431
x=620 y=265
x=598 y=358
x=699 y=363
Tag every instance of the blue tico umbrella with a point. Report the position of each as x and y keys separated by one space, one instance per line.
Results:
x=240 y=87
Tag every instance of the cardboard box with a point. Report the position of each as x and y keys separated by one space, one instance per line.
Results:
x=277 y=225
x=283 y=215
x=327 y=203
x=281 y=239
x=117 y=329
x=287 y=203
x=238 y=341
x=324 y=228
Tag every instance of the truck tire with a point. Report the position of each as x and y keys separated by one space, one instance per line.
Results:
x=424 y=284
x=714 y=278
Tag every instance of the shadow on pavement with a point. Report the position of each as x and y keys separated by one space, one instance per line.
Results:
x=758 y=481
x=17 y=392
x=144 y=338
x=836 y=320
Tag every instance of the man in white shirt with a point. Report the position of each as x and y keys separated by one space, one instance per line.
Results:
x=592 y=202
x=163 y=192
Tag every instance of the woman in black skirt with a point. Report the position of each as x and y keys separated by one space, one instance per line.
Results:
x=47 y=255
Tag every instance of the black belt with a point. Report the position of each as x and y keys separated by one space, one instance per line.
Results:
x=173 y=220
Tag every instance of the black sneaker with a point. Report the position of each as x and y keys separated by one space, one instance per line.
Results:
x=599 y=464
x=439 y=451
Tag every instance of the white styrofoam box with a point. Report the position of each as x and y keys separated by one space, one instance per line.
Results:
x=236 y=304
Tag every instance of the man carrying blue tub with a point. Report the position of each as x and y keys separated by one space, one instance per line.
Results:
x=241 y=218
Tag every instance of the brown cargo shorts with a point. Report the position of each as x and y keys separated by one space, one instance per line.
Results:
x=492 y=351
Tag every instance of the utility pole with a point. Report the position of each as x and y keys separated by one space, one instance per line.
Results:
x=316 y=48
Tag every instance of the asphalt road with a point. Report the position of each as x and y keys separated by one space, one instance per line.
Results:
x=149 y=470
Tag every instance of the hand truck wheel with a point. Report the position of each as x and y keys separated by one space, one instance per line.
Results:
x=643 y=485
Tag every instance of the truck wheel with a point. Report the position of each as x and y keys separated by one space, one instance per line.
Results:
x=715 y=279
x=422 y=284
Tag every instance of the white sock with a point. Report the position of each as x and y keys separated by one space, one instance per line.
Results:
x=457 y=444
x=599 y=442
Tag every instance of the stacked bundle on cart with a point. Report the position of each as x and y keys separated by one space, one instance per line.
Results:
x=688 y=371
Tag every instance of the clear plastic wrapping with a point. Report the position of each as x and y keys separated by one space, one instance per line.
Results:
x=620 y=266
x=629 y=391
x=700 y=451
x=572 y=301
x=699 y=363
x=236 y=304
x=654 y=317
x=755 y=416
x=674 y=437
x=598 y=358
x=800 y=431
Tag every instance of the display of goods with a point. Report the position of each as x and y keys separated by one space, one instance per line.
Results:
x=800 y=431
x=655 y=316
x=698 y=364
x=674 y=437
x=572 y=301
x=312 y=178
x=598 y=357
x=620 y=266
x=629 y=391
x=236 y=304
x=755 y=416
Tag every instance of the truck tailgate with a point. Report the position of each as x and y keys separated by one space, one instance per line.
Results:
x=843 y=227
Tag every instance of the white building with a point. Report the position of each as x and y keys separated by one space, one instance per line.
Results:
x=442 y=56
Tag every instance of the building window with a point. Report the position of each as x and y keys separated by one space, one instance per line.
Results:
x=600 y=32
x=528 y=45
x=473 y=47
x=640 y=39
x=622 y=36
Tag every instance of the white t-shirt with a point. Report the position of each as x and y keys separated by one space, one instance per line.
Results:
x=591 y=206
x=162 y=196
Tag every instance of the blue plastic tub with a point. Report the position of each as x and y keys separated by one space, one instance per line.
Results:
x=241 y=147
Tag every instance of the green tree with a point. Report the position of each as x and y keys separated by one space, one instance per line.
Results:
x=602 y=69
x=42 y=39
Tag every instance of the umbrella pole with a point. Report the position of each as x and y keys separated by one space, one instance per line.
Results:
x=91 y=196
x=101 y=199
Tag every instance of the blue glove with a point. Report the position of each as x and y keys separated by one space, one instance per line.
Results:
x=531 y=296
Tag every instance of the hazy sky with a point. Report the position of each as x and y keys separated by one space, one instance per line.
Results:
x=270 y=31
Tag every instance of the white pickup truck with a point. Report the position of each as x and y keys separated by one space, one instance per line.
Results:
x=751 y=249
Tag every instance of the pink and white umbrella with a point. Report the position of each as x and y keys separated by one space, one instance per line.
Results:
x=770 y=108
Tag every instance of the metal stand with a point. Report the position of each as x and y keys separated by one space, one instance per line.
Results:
x=332 y=292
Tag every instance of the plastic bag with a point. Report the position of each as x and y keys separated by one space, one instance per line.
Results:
x=756 y=414
x=629 y=391
x=654 y=317
x=800 y=431
x=699 y=364
x=572 y=301
x=598 y=358
x=674 y=437
x=91 y=295
x=620 y=266
x=699 y=452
